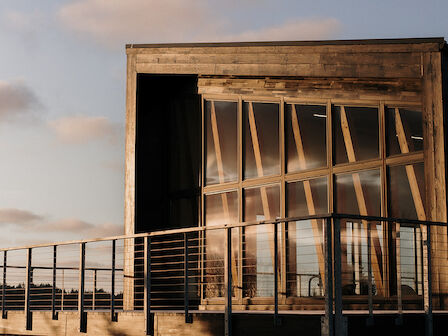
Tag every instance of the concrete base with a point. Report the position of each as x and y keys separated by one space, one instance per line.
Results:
x=212 y=324
x=165 y=324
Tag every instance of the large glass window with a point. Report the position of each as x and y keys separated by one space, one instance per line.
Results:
x=220 y=209
x=264 y=161
x=404 y=131
x=306 y=137
x=406 y=191
x=356 y=133
x=259 y=204
x=261 y=139
x=359 y=193
x=221 y=142
x=305 y=264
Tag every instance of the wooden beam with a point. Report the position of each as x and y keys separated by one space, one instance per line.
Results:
x=308 y=192
x=362 y=206
x=225 y=201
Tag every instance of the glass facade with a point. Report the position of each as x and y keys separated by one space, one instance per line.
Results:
x=289 y=159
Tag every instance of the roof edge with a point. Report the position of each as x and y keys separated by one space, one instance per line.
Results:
x=440 y=40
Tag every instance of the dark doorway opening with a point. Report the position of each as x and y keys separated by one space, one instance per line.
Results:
x=168 y=152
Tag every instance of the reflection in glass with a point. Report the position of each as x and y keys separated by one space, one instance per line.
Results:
x=306 y=137
x=261 y=139
x=221 y=141
x=355 y=257
x=360 y=193
x=355 y=133
x=220 y=209
x=305 y=243
x=411 y=260
x=406 y=198
x=407 y=191
x=404 y=131
x=258 y=272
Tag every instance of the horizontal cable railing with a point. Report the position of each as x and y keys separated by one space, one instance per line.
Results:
x=332 y=263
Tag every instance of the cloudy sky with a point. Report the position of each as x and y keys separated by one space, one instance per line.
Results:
x=62 y=89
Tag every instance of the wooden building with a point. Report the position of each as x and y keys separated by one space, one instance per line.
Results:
x=220 y=133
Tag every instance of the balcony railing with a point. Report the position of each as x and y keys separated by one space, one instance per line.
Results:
x=334 y=264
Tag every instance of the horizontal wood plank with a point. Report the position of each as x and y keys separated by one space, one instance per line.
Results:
x=383 y=48
x=408 y=90
x=300 y=70
x=308 y=58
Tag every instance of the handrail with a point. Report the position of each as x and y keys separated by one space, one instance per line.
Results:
x=230 y=225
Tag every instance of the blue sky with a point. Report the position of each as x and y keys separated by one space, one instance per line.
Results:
x=62 y=89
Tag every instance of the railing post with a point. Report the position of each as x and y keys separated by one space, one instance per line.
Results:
x=82 y=271
x=339 y=318
x=4 y=311
x=149 y=325
x=228 y=281
x=188 y=317
x=428 y=282
x=28 y=281
x=369 y=273
x=113 y=315
x=276 y=318
x=63 y=290
x=95 y=278
x=328 y=329
x=399 y=320
x=54 y=314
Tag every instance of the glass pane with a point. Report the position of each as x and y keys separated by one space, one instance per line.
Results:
x=307 y=197
x=220 y=209
x=306 y=137
x=221 y=142
x=355 y=133
x=404 y=131
x=407 y=191
x=411 y=260
x=359 y=193
x=305 y=240
x=258 y=271
x=261 y=139
x=354 y=256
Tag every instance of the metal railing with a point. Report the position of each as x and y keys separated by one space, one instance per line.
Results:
x=336 y=264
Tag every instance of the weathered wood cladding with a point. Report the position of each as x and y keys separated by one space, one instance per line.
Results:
x=384 y=65
x=355 y=61
x=406 y=90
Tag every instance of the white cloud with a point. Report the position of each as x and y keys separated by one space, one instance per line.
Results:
x=17 y=216
x=66 y=225
x=82 y=228
x=105 y=230
x=299 y=30
x=83 y=129
x=115 y=22
x=16 y=100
